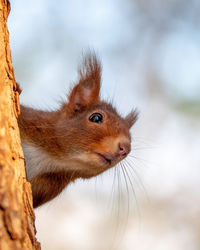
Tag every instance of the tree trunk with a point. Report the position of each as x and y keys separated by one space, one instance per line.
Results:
x=17 y=230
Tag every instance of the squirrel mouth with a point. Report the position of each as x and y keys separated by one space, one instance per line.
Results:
x=105 y=158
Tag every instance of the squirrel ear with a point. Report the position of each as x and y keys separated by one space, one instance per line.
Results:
x=131 y=118
x=86 y=92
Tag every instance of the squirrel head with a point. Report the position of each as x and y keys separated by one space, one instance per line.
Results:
x=95 y=136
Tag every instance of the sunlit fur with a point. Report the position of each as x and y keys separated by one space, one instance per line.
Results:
x=64 y=145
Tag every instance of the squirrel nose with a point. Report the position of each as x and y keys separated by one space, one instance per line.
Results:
x=124 y=149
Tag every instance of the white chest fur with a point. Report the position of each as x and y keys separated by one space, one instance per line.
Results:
x=39 y=162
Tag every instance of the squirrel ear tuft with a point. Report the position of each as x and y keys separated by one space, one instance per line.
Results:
x=131 y=118
x=86 y=92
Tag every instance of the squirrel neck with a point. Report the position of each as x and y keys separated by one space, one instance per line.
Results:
x=40 y=141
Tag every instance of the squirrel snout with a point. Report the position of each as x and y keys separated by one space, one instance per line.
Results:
x=113 y=149
x=123 y=149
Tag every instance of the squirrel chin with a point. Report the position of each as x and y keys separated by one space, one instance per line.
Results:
x=94 y=160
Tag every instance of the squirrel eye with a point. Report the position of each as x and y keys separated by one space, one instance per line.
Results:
x=96 y=117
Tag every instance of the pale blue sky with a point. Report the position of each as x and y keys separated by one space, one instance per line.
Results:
x=47 y=39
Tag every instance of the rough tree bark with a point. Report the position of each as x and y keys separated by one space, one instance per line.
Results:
x=17 y=230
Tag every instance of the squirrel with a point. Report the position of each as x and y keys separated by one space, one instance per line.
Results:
x=83 y=138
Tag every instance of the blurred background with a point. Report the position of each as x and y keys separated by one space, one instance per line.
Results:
x=150 y=52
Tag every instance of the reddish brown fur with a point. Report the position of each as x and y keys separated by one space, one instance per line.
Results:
x=68 y=130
